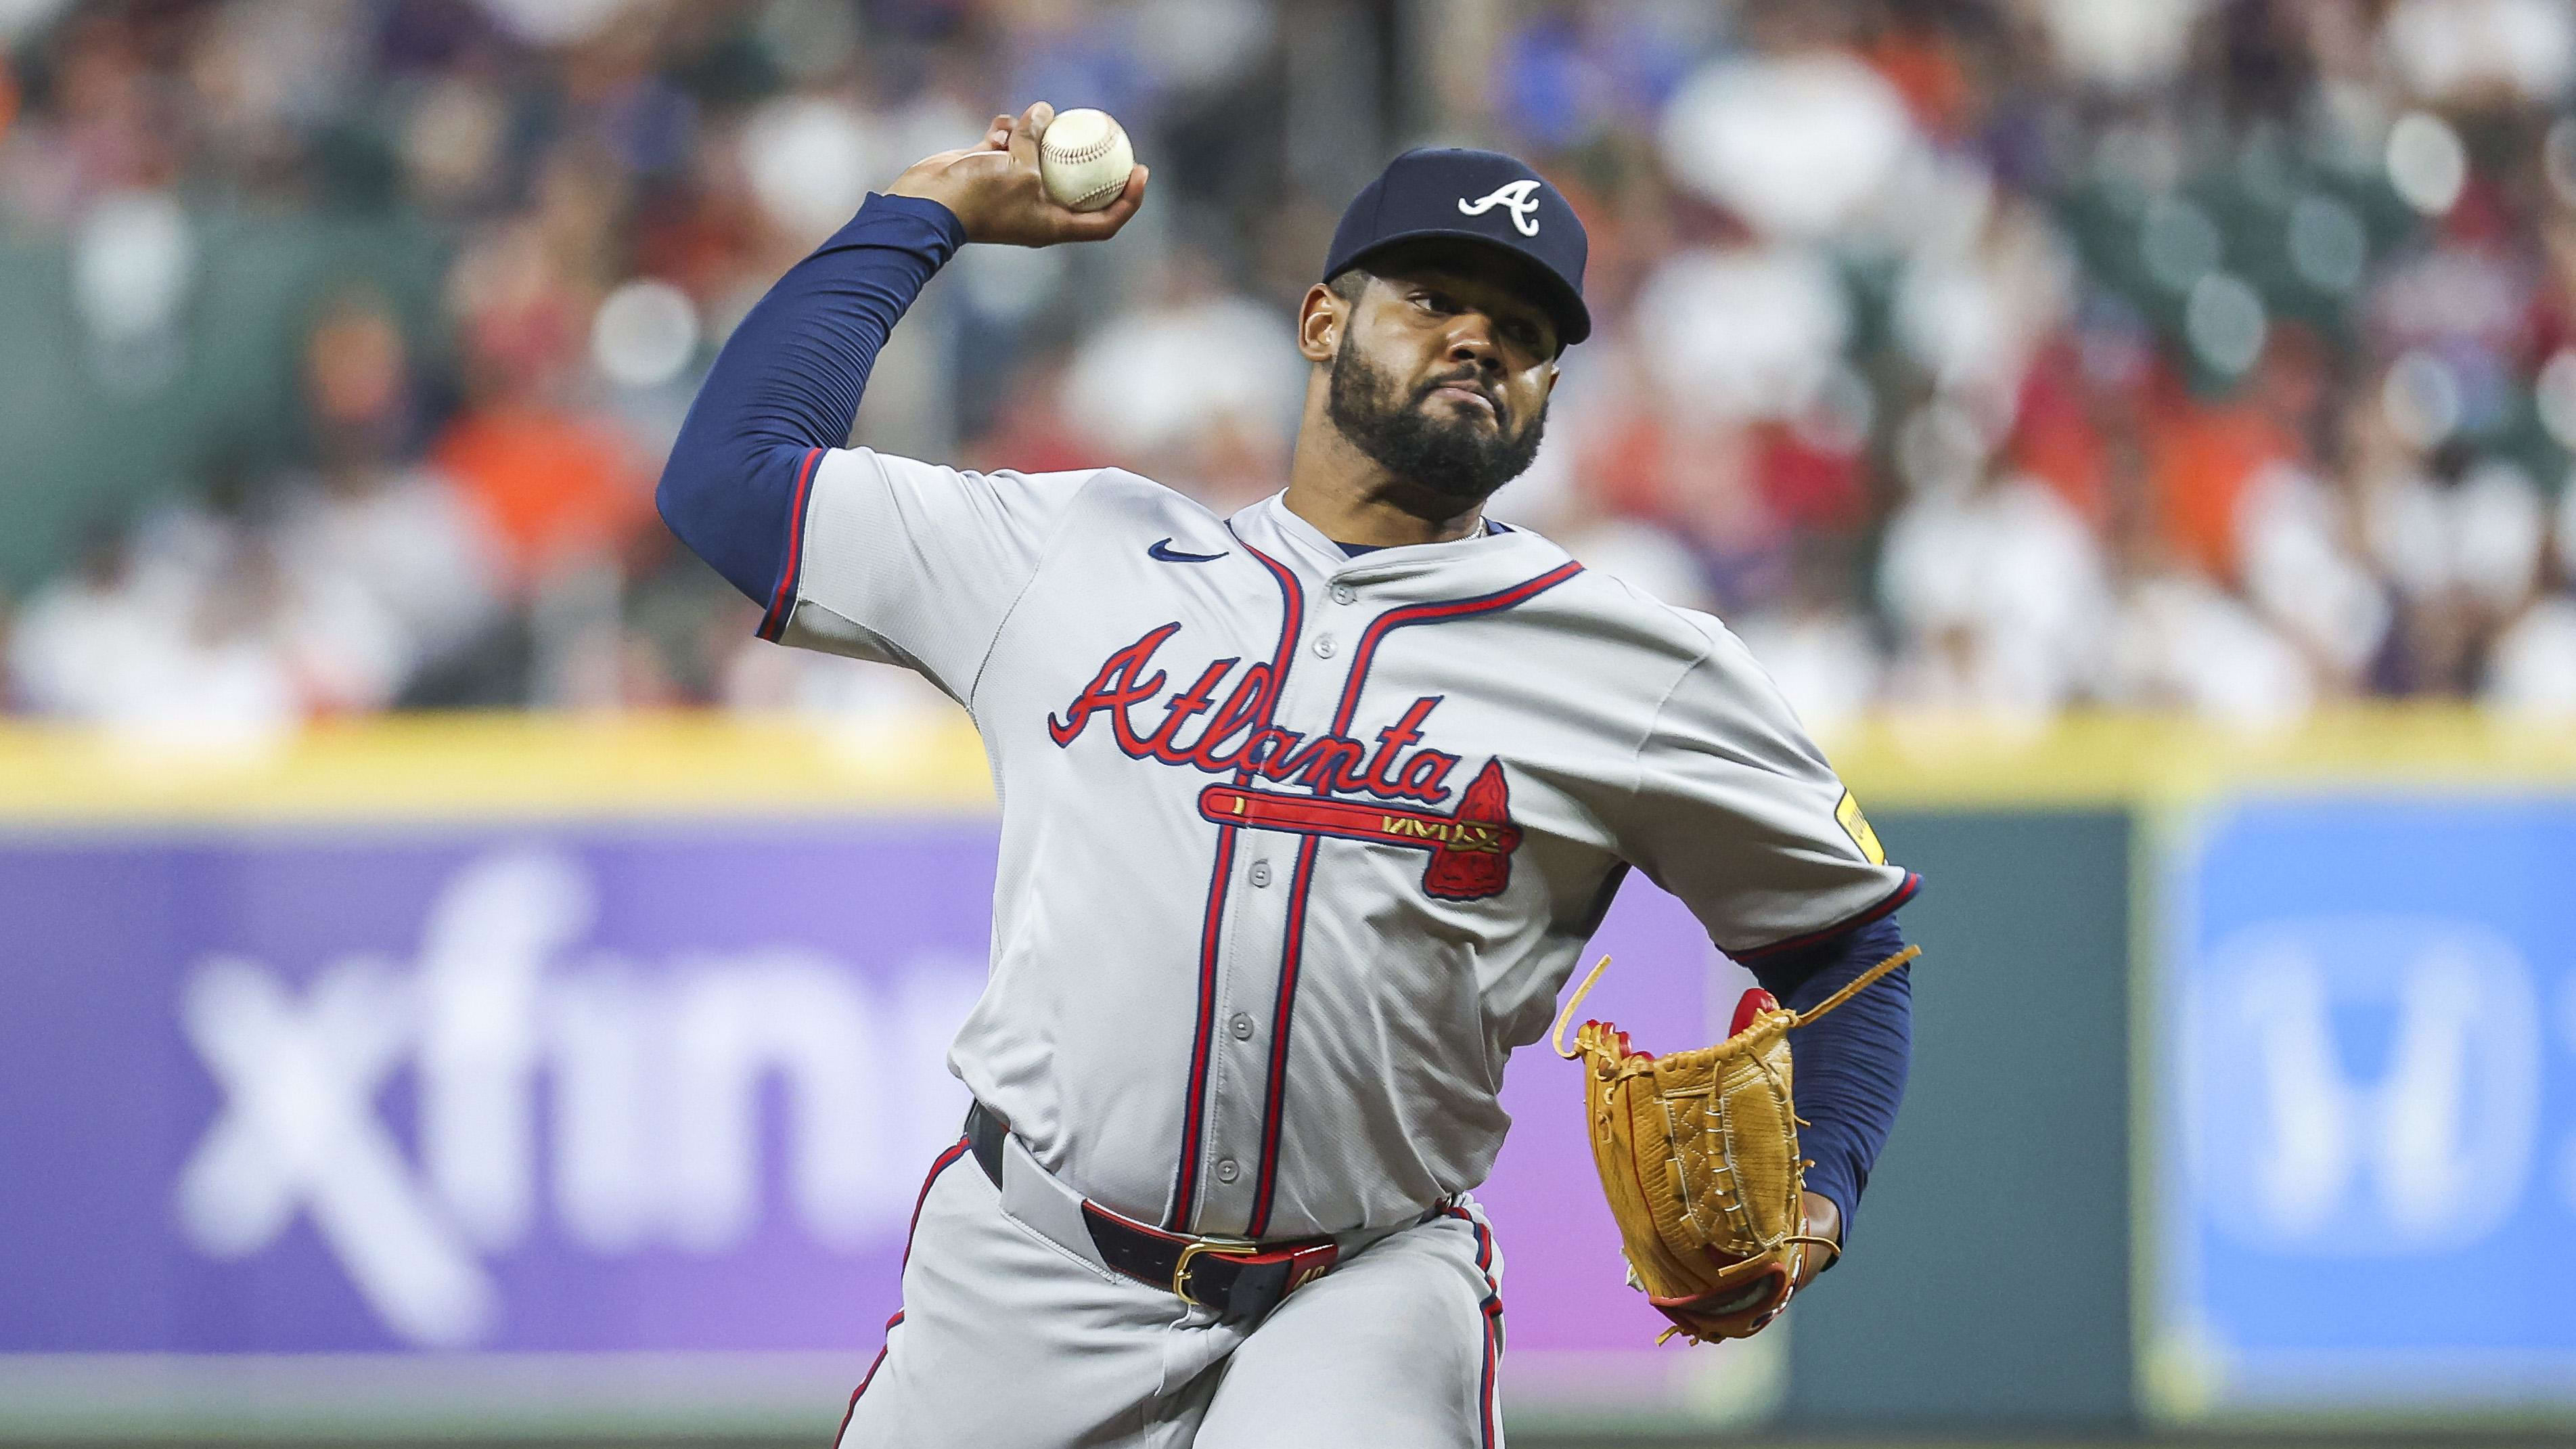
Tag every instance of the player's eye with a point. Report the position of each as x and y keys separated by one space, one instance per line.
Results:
x=1435 y=302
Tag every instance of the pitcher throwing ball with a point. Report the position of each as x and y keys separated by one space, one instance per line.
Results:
x=1306 y=815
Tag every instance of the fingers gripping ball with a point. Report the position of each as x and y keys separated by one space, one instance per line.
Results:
x=1084 y=159
x=1698 y=1154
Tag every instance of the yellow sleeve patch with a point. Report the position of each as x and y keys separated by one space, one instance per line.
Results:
x=1856 y=825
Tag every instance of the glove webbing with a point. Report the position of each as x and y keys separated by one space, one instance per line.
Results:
x=1869 y=977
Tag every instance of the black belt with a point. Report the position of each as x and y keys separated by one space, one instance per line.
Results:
x=1234 y=1277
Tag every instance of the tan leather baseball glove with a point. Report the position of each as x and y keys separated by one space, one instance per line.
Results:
x=1699 y=1157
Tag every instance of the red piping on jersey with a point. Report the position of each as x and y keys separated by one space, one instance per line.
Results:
x=1292 y=954
x=1394 y=619
x=1185 y=1179
x=1293 y=939
x=1491 y=1310
x=1904 y=892
x=1484 y=1248
x=1484 y=1243
x=1185 y=1184
x=1493 y=1365
x=783 y=602
x=943 y=1162
x=1493 y=1314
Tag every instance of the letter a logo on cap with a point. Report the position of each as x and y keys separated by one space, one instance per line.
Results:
x=1518 y=197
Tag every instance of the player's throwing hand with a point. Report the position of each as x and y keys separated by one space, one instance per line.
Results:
x=996 y=192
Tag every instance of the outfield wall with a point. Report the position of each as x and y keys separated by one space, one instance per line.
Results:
x=510 y=1075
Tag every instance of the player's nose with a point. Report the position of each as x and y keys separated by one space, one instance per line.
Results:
x=1471 y=339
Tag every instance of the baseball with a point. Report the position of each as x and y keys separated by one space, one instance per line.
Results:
x=1084 y=159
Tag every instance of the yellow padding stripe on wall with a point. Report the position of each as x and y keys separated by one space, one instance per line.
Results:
x=499 y=765
x=2105 y=759
x=521 y=765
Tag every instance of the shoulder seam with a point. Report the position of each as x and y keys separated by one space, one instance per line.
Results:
x=1045 y=553
x=1637 y=753
x=1648 y=604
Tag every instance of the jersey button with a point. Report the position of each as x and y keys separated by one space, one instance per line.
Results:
x=1324 y=647
x=1260 y=872
x=1226 y=1170
x=1344 y=593
x=1241 y=1026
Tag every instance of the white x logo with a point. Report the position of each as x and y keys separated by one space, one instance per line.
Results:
x=299 y=1129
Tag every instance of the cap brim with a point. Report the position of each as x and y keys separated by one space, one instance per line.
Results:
x=1563 y=303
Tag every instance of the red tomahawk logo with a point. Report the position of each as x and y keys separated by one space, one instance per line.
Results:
x=1471 y=851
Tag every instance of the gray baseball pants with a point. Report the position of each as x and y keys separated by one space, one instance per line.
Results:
x=1010 y=1340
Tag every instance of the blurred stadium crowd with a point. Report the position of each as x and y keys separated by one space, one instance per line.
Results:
x=1997 y=356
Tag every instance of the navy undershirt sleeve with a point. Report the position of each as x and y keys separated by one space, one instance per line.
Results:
x=787 y=384
x=1850 y=1065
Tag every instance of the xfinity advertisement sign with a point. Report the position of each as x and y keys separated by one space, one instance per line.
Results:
x=615 y=1091
x=614 y=1097
x=455 y=1119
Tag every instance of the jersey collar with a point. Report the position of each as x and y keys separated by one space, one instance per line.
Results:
x=1475 y=564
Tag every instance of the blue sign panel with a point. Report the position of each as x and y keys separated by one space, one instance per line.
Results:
x=2367 y=1106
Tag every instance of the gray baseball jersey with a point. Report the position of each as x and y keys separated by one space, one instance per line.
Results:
x=1298 y=846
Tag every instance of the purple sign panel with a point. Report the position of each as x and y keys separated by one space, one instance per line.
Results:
x=665 y=1088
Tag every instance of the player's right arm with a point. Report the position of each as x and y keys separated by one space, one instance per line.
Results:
x=756 y=483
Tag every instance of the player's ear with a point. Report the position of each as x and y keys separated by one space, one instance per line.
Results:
x=1320 y=320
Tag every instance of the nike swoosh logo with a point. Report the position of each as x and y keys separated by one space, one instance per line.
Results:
x=1163 y=550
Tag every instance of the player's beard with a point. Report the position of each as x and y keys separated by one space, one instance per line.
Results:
x=1453 y=457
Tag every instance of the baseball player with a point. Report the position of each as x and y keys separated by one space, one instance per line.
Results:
x=1306 y=813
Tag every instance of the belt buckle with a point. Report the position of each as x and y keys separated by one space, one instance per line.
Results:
x=1219 y=1247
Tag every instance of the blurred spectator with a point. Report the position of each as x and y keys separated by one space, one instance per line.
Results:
x=1799 y=136
x=195 y=629
x=1997 y=589
x=2302 y=571
x=2533 y=668
x=2119 y=47
x=399 y=533
x=1820 y=648
x=81 y=633
x=1742 y=331
x=2179 y=641
x=1201 y=391
x=2005 y=358
x=557 y=486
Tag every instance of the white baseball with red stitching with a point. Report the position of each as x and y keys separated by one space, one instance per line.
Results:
x=1084 y=158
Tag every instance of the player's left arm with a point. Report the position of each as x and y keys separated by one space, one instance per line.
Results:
x=1736 y=811
x=1851 y=1063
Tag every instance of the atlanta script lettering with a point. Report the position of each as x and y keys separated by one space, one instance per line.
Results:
x=1234 y=737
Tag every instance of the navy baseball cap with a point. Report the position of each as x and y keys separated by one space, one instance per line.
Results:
x=1477 y=196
